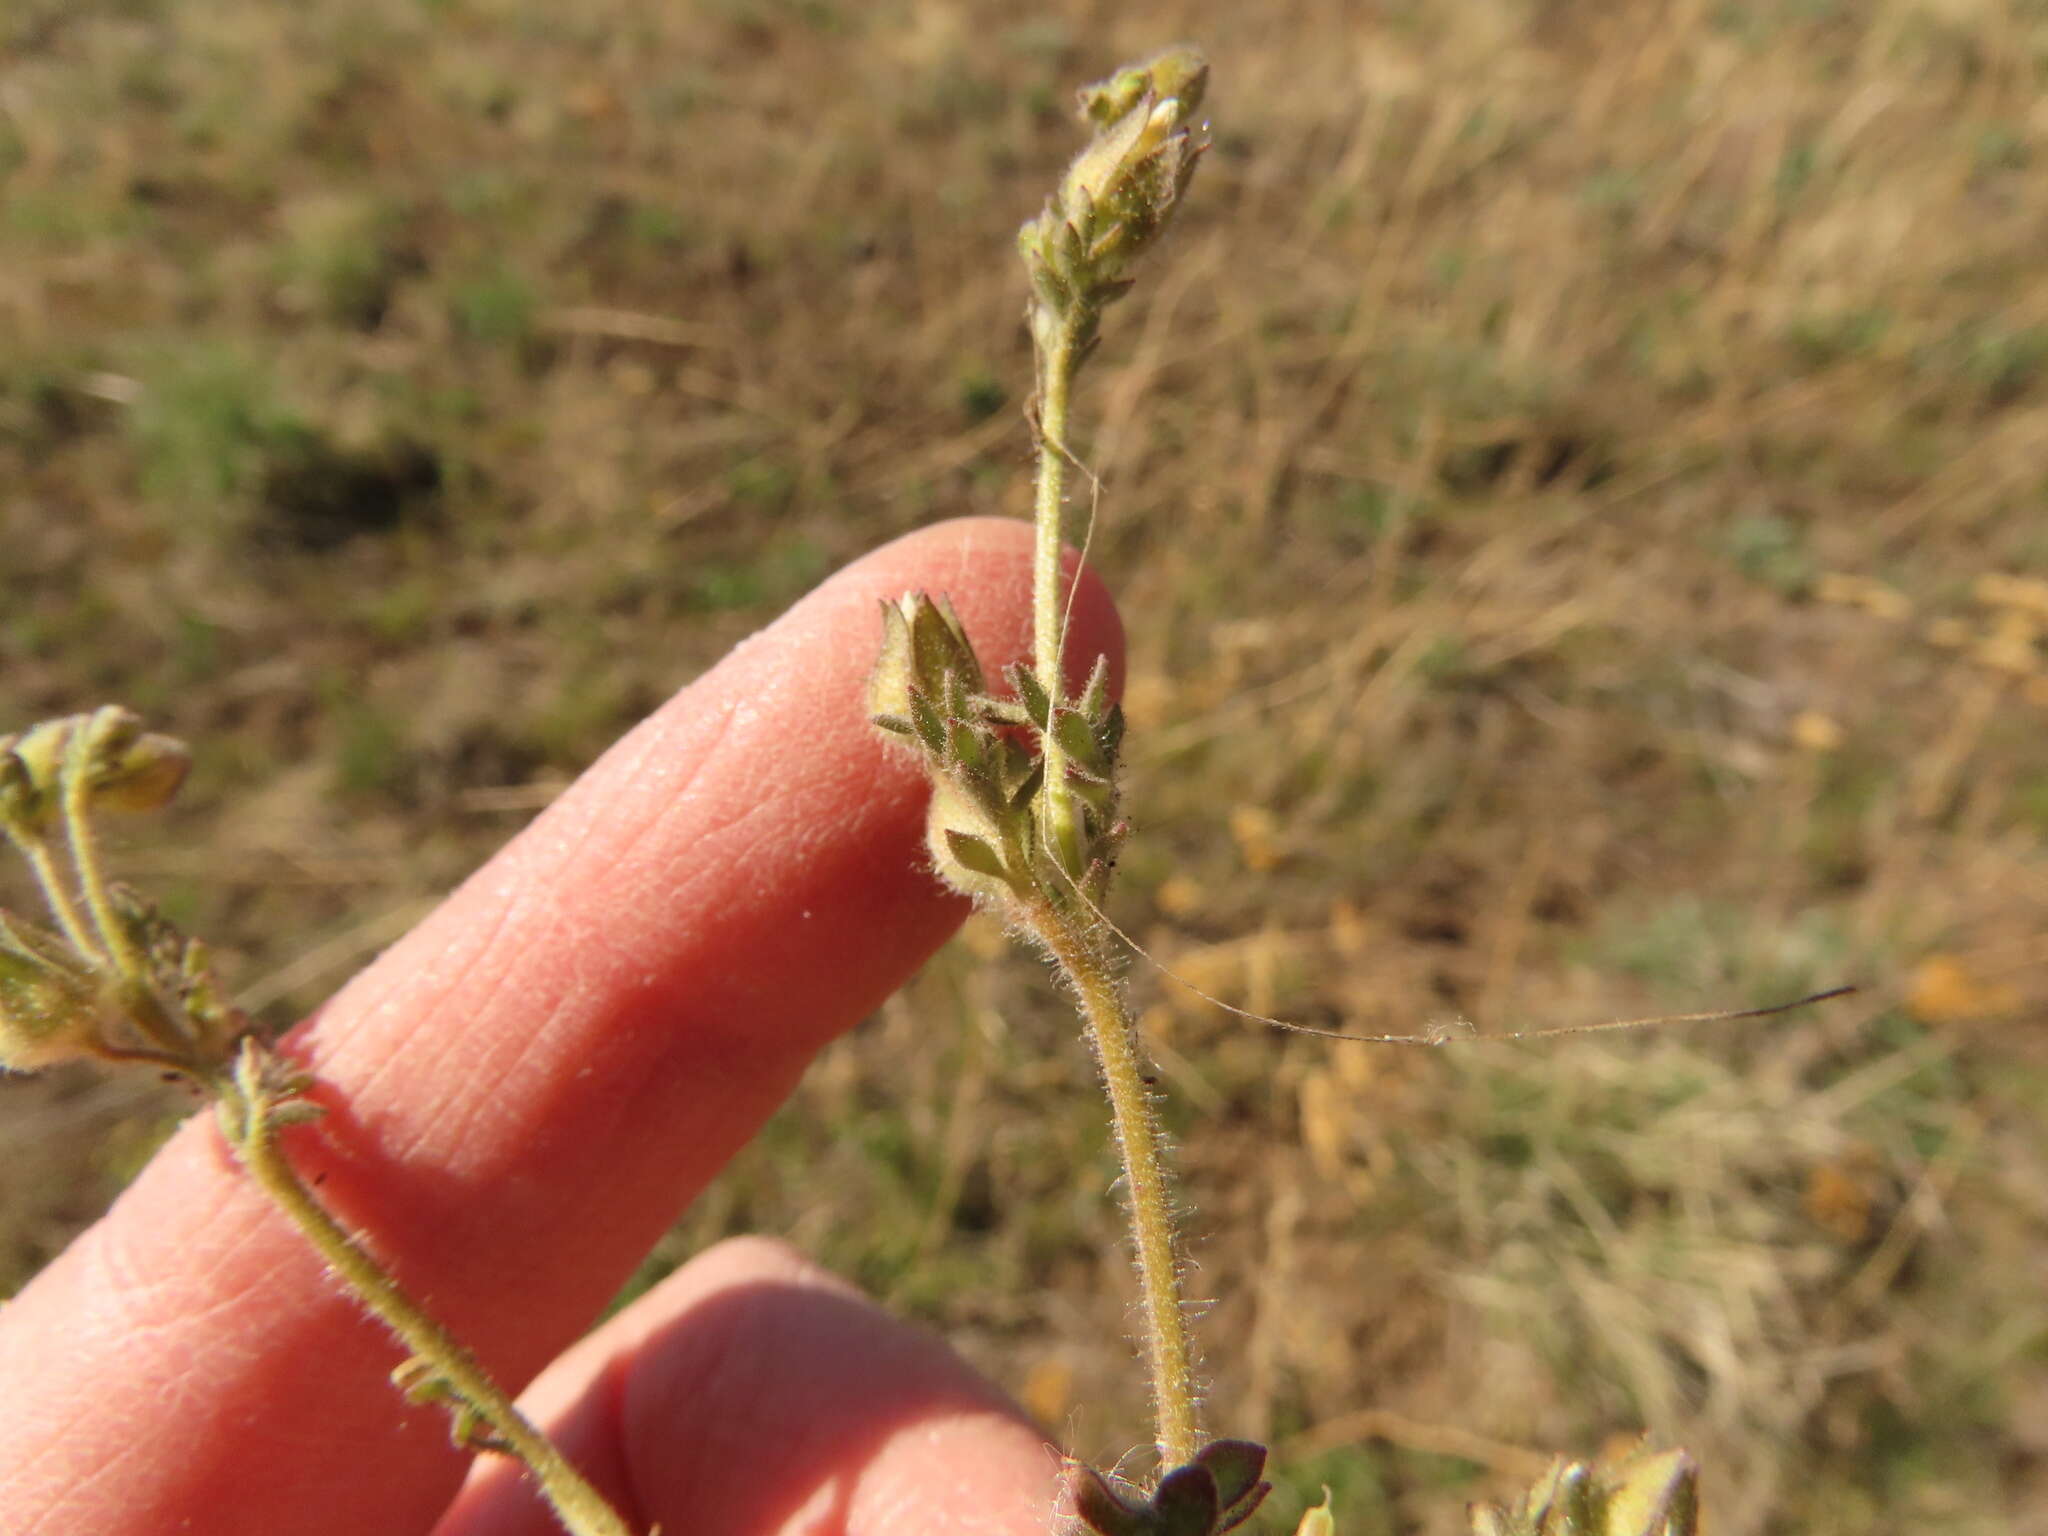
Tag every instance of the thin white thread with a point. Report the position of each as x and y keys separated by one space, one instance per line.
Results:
x=1446 y=1031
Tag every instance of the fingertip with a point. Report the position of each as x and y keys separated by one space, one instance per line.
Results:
x=535 y=1080
x=753 y=1392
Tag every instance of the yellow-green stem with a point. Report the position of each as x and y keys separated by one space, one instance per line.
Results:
x=51 y=880
x=1115 y=1038
x=580 y=1507
x=110 y=940
x=85 y=859
x=1056 y=376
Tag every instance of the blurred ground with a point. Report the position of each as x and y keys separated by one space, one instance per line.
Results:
x=1575 y=481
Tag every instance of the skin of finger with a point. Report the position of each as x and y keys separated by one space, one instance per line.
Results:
x=752 y=1393
x=524 y=1092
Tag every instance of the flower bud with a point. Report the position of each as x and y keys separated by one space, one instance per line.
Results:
x=1637 y=1492
x=1320 y=1521
x=1181 y=73
x=1121 y=190
x=924 y=648
x=126 y=768
x=132 y=770
x=29 y=774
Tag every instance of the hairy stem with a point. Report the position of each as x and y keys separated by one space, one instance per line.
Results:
x=109 y=939
x=85 y=859
x=1111 y=1031
x=582 y=1510
x=1060 y=359
x=50 y=880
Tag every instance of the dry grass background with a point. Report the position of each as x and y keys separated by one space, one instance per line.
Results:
x=1575 y=485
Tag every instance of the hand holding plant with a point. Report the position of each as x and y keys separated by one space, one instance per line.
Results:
x=521 y=1094
x=483 y=1133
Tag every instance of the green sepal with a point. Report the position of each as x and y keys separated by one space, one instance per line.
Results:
x=1070 y=730
x=1000 y=712
x=1095 y=694
x=977 y=856
x=1104 y=102
x=1031 y=693
x=926 y=722
x=960 y=808
x=1097 y=795
x=966 y=747
x=1109 y=730
x=1027 y=788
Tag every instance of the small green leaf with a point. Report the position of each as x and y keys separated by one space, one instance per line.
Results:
x=966 y=746
x=1030 y=693
x=1096 y=794
x=976 y=855
x=1071 y=731
x=1027 y=789
x=939 y=643
x=1110 y=732
x=1006 y=712
x=924 y=719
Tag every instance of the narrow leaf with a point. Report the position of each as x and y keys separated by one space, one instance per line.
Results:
x=924 y=719
x=1095 y=697
x=1071 y=731
x=1031 y=694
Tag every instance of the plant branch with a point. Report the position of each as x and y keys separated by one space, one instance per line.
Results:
x=1114 y=1037
x=119 y=947
x=50 y=880
x=249 y=1119
x=1056 y=377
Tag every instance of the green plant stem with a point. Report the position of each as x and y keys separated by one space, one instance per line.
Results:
x=1115 y=1039
x=581 y=1508
x=51 y=882
x=114 y=945
x=1060 y=358
x=85 y=859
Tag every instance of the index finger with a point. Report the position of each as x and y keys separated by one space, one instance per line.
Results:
x=528 y=1088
